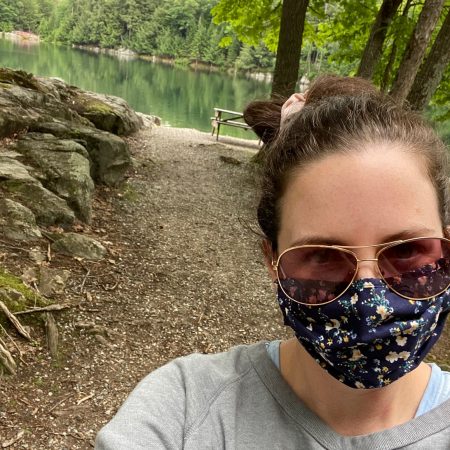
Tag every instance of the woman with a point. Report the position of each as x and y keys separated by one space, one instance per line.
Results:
x=354 y=206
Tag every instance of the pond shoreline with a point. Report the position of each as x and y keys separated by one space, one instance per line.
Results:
x=127 y=54
x=182 y=97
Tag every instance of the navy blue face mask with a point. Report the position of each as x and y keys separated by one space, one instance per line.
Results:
x=369 y=337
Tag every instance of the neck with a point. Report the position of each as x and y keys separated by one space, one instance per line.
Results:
x=348 y=411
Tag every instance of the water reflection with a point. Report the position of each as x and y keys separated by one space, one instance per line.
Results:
x=181 y=97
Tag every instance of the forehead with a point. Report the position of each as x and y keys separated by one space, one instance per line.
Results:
x=359 y=198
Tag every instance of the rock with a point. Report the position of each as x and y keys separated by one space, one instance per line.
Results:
x=74 y=244
x=17 y=222
x=16 y=295
x=52 y=281
x=66 y=142
x=18 y=77
x=149 y=120
x=10 y=169
x=64 y=167
x=47 y=207
x=109 y=154
x=106 y=112
x=17 y=182
x=37 y=255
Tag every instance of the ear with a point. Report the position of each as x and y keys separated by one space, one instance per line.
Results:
x=269 y=258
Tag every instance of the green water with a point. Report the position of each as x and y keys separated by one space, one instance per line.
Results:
x=181 y=97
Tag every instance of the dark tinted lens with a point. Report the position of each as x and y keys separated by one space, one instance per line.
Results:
x=315 y=275
x=417 y=269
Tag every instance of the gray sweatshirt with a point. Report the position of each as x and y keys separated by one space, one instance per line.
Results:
x=239 y=400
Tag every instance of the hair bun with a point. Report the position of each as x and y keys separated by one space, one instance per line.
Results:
x=264 y=116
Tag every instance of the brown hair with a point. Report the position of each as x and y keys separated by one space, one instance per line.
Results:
x=339 y=113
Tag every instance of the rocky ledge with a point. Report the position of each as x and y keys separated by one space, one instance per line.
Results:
x=58 y=143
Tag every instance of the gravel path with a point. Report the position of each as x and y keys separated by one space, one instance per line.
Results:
x=184 y=274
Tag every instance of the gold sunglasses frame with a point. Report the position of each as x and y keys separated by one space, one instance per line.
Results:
x=348 y=249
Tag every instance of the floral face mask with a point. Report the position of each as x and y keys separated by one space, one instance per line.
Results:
x=369 y=337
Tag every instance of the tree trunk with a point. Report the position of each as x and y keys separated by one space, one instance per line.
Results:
x=385 y=82
x=374 y=46
x=432 y=69
x=416 y=48
x=289 y=48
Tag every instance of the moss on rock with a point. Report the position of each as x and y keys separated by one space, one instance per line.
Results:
x=18 y=77
x=17 y=296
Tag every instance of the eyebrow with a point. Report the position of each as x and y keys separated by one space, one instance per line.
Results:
x=402 y=235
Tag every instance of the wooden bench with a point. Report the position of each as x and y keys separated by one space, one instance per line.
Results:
x=226 y=117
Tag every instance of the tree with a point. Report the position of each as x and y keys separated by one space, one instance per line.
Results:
x=432 y=69
x=278 y=24
x=8 y=15
x=252 y=21
x=285 y=75
x=374 y=46
x=399 y=27
x=416 y=49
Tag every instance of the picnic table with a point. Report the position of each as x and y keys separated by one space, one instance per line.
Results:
x=229 y=118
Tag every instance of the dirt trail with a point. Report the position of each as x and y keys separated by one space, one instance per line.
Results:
x=183 y=274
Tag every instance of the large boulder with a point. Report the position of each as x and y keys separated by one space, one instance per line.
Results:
x=64 y=140
x=17 y=222
x=109 y=154
x=106 y=112
x=17 y=183
x=25 y=100
x=47 y=207
x=63 y=167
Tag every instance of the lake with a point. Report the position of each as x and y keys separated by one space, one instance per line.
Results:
x=181 y=97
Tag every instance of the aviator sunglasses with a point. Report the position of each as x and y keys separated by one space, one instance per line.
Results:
x=415 y=269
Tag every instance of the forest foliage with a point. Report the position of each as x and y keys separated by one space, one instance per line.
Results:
x=224 y=33
x=180 y=29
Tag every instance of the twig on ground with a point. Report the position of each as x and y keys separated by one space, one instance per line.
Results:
x=110 y=288
x=84 y=281
x=61 y=402
x=79 y=402
x=54 y=307
x=25 y=402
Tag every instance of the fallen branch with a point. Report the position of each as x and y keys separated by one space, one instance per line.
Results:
x=54 y=307
x=52 y=334
x=6 y=359
x=20 y=329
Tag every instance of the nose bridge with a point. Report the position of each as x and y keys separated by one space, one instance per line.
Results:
x=367 y=268
x=367 y=263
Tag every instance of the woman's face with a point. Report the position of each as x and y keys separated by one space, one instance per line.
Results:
x=370 y=196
